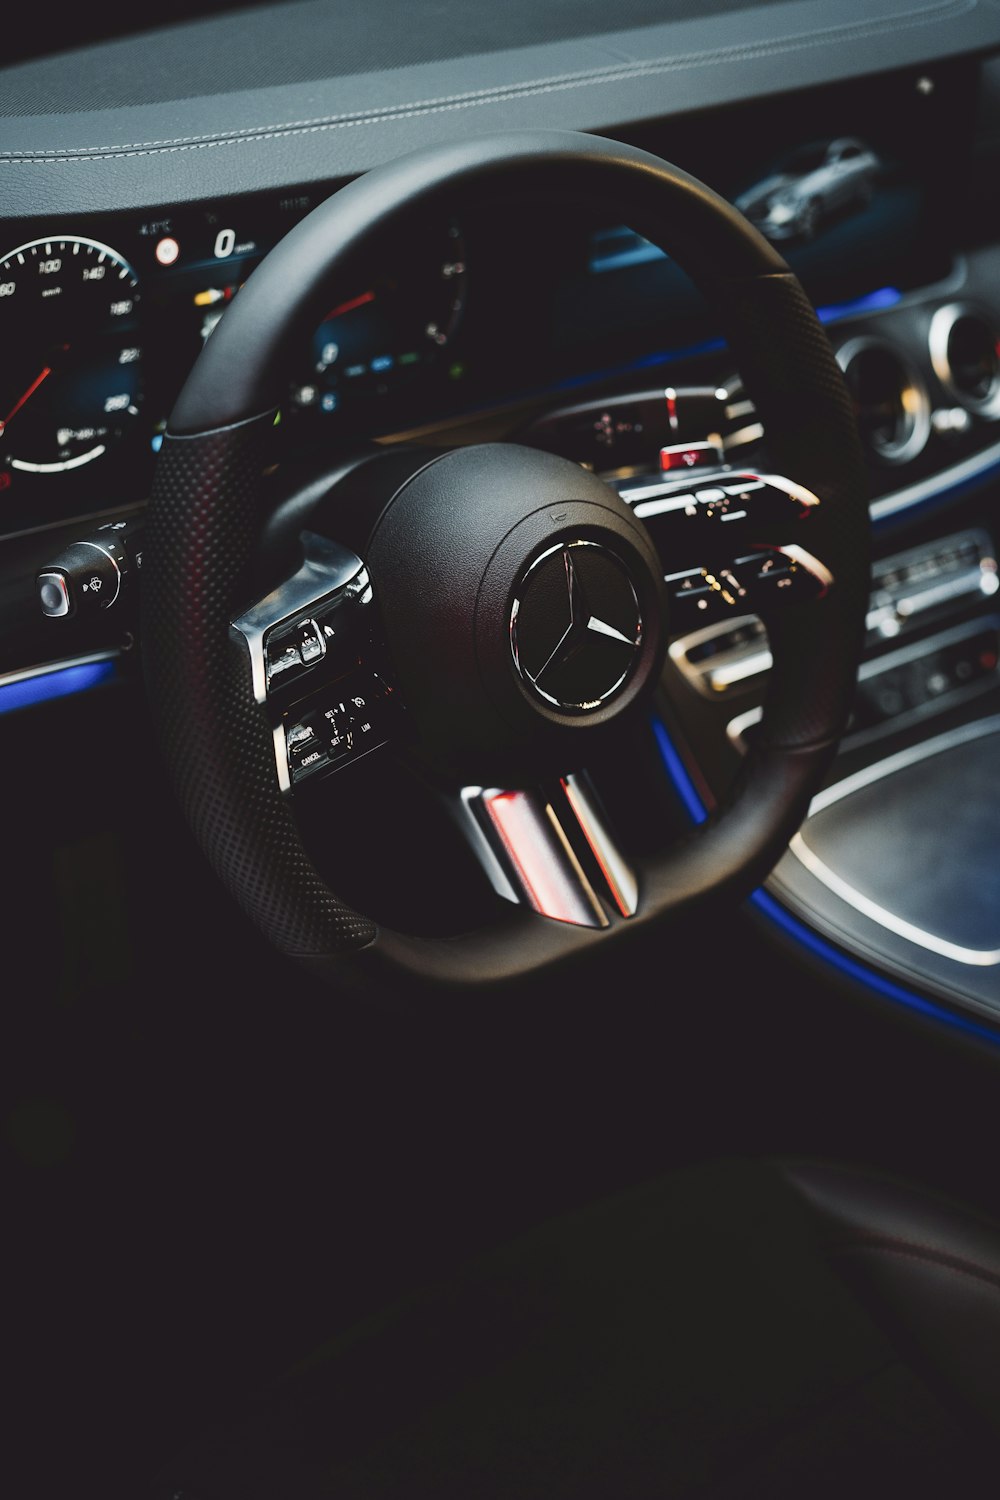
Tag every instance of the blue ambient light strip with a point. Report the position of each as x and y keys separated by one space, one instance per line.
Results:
x=61 y=682
x=774 y=912
x=877 y=301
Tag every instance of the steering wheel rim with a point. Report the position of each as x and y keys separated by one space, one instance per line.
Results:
x=206 y=519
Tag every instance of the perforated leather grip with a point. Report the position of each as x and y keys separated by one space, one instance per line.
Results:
x=205 y=522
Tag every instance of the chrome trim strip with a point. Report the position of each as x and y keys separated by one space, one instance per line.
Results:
x=281 y=758
x=59 y=581
x=737 y=728
x=326 y=568
x=644 y=491
x=913 y=651
x=978 y=466
x=647 y=509
x=577 y=868
x=469 y=795
x=970 y=582
x=679 y=648
x=972 y=957
x=620 y=878
x=525 y=838
x=24 y=673
x=913 y=754
x=721 y=678
x=542 y=864
x=740 y=409
x=789 y=487
x=743 y=435
x=810 y=563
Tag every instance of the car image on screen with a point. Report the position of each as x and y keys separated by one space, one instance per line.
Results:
x=815 y=182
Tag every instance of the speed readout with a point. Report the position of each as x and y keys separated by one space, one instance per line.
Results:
x=71 y=366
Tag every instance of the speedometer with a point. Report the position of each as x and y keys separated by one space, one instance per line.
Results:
x=70 y=356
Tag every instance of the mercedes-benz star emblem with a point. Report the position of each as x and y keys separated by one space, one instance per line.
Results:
x=575 y=626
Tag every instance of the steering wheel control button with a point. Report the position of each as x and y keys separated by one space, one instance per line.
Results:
x=291 y=651
x=317 y=621
x=764 y=507
x=312 y=643
x=691 y=598
x=337 y=726
x=575 y=626
x=782 y=574
x=90 y=575
x=282 y=656
x=53 y=595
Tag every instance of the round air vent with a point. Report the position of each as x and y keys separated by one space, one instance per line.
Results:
x=965 y=352
x=891 y=401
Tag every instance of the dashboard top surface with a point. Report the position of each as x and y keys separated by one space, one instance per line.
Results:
x=301 y=92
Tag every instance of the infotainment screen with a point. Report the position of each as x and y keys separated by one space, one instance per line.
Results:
x=853 y=184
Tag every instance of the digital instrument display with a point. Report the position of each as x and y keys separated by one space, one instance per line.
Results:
x=103 y=316
x=97 y=338
x=71 y=371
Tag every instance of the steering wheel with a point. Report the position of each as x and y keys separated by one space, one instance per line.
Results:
x=521 y=605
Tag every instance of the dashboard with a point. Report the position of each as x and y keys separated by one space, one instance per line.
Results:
x=569 y=332
x=486 y=305
x=190 y=1115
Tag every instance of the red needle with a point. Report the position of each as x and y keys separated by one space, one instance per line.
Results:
x=32 y=388
x=346 y=307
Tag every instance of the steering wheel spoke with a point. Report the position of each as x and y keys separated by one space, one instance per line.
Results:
x=551 y=848
x=319 y=669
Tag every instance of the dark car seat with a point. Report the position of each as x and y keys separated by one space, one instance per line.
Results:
x=740 y=1329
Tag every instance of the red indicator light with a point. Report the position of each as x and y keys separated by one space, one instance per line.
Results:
x=698 y=456
x=167 y=250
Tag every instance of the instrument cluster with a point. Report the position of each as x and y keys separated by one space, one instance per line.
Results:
x=99 y=330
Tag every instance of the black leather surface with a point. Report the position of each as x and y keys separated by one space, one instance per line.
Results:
x=929 y=1272
x=85 y=132
x=200 y=541
x=702 y=1336
x=336 y=38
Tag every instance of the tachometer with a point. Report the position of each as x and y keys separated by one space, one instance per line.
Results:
x=70 y=355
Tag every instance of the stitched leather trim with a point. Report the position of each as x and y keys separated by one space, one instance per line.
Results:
x=920 y=1252
x=940 y=10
